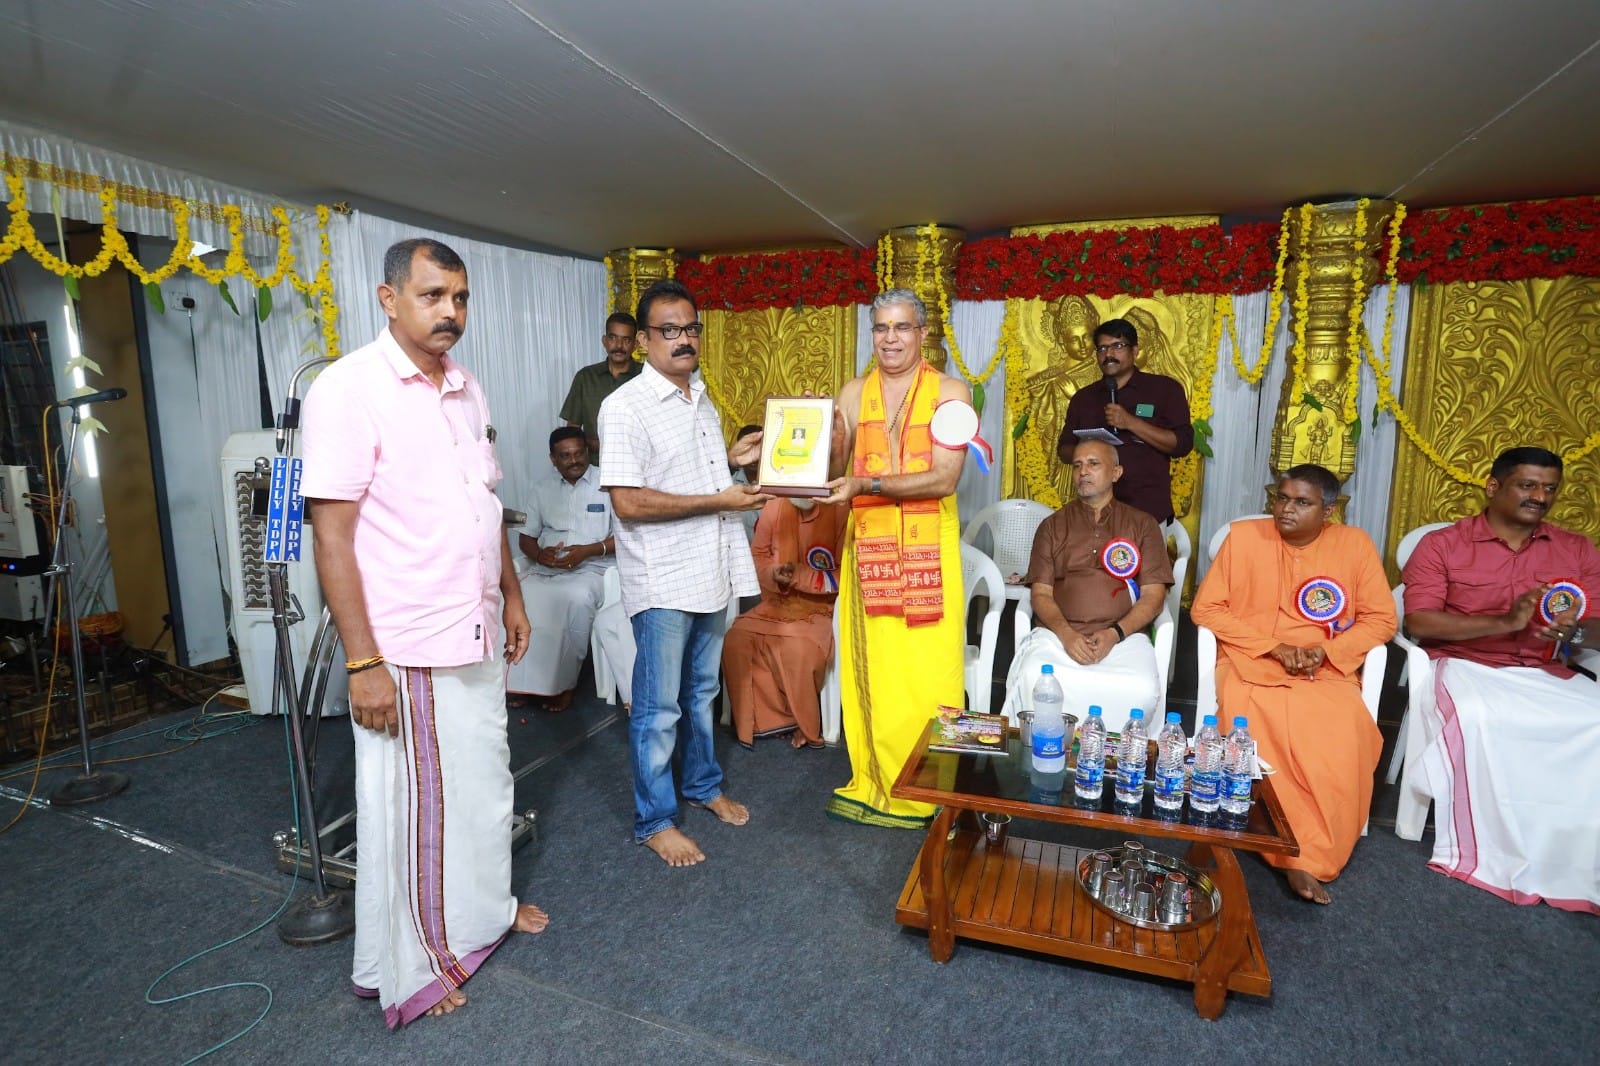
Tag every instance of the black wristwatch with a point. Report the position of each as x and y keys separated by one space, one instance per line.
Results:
x=1579 y=635
x=876 y=487
x=1121 y=636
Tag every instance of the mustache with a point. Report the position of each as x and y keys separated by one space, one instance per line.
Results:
x=683 y=349
x=448 y=327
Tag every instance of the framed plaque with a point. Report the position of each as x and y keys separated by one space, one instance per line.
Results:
x=796 y=443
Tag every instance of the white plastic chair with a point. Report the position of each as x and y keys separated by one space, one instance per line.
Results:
x=832 y=702
x=1182 y=551
x=605 y=683
x=1009 y=526
x=1206 y=655
x=980 y=575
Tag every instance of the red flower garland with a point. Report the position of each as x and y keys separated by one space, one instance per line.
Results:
x=1504 y=242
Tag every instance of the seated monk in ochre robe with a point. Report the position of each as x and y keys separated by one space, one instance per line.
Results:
x=776 y=655
x=1294 y=673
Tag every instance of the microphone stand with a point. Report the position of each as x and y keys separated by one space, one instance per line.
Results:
x=327 y=914
x=91 y=785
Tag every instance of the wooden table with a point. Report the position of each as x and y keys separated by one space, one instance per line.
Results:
x=1026 y=894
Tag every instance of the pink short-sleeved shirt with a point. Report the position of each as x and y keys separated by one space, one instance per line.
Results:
x=1467 y=569
x=420 y=463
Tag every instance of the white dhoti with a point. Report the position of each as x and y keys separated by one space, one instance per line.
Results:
x=615 y=634
x=561 y=609
x=433 y=838
x=1513 y=763
x=1124 y=679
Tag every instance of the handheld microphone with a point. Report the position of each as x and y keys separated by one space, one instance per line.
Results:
x=103 y=396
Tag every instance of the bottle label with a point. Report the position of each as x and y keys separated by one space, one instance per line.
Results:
x=1047 y=747
x=1130 y=776
x=1205 y=787
x=1238 y=786
x=1089 y=775
x=1170 y=783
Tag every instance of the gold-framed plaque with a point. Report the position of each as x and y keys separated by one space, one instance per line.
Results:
x=796 y=443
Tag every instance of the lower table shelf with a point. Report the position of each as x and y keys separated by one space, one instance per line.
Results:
x=1026 y=894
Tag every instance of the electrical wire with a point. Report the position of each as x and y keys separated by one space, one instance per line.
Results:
x=293 y=883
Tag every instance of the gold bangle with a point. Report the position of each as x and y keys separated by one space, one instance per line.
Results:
x=352 y=665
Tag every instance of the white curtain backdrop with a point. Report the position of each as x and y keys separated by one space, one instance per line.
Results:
x=1369 y=487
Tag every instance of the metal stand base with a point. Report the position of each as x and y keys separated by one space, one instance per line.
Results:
x=88 y=788
x=315 y=920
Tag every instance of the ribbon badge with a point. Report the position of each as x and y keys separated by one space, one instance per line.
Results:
x=1122 y=561
x=1322 y=600
x=955 y=426
x=1563 y=596
x=821 y=559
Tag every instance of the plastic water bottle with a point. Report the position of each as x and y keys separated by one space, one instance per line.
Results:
x=1205 y=786
x=1049 y=724
x=1133 y=751
x=1172 y=747
x=1238 y=768
x=1088 y=780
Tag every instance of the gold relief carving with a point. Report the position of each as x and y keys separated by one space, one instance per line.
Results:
x=1495 y=365
x=1304 y=434
x=913 y=259
x=746 y=356
x=1057 y=340
x=634 y=270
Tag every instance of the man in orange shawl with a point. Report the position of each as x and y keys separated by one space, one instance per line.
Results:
x=1296 y=604
x=776 y=655
x=902 y=621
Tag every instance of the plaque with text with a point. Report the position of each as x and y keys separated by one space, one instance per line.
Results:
x=796 y=442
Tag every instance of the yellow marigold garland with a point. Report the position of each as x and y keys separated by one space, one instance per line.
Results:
x=1252 y=375
x=949 y=322
x=1302 y=307
x=1358 y=303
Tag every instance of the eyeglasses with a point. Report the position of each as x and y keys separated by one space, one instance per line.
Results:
x=1114 y=346
x=670 y=333
x=900 y=328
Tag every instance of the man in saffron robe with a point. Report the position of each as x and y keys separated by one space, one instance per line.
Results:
x=1296 y=604
x=902 y=629
x=776 y=655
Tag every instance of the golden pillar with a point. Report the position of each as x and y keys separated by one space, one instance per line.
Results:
x=923 y=259
x=1325 y=254
x=633 y=270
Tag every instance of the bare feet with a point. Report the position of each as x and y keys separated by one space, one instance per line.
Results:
x=559 y=702
x=675 y=848
x=1308 y=888
x=729 y=811
x=530 y=919
x=453 y=999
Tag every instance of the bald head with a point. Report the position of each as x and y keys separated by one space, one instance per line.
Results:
x=1095 y=469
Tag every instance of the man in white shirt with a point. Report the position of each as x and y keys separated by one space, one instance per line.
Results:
x=681 y=552
x=568 y=539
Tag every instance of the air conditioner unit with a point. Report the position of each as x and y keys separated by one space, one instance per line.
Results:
x=253 y=631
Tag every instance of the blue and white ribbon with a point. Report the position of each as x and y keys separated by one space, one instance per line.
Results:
x=1122 y=561
x=1322 y=600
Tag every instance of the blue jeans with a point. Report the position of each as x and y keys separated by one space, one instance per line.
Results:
x=674 y=683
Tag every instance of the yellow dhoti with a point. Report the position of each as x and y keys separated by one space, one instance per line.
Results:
x=909 y=670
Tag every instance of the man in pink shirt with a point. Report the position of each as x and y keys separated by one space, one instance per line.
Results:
x=1513 y=756
x=400 y=470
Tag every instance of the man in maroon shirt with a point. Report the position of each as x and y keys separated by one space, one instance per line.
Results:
x=1513 y=755
x=1149 y=412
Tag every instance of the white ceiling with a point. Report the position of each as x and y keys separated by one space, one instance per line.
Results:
x=586 y=125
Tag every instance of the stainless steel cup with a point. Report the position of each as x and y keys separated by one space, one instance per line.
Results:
x=1144 y=902
x=1112 y=892
x=994 y=828
x=1175 y=892
x=1025 y=729
x=1099 y=866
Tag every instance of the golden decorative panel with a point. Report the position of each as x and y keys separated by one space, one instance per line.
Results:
x=923 y=259
x=1057 y=339
x=1494 y=365
x=746 y=356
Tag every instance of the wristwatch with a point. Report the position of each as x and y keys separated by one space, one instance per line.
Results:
x=1579 y=635
x=1121 y=636
x=876 y=488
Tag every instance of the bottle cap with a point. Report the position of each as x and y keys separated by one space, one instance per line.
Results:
x=1047 y=668
x=1094 y=710
x=1241 y=722
x=1174 y=716
x=1136 y=713
x=1209 y=719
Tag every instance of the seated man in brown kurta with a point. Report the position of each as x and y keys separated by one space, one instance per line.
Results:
x=776 y=655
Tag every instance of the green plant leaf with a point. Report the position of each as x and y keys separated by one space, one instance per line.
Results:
x=978 y=396
x=1203 y=448
x=227 y=297
x=1020 y=428
x=263 y=303
x=71 y=284
x=152 y=293
x=1355 y=431
x=1311 y=401
x=1203 y=428
x=1377 y=409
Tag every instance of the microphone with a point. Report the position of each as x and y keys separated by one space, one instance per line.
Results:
x=103 y=396
x=1111 y=383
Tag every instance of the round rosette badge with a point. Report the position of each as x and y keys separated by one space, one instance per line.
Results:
x=820 y=559
x=1562 y=596
x=1122 y=561
x=1322 y=600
